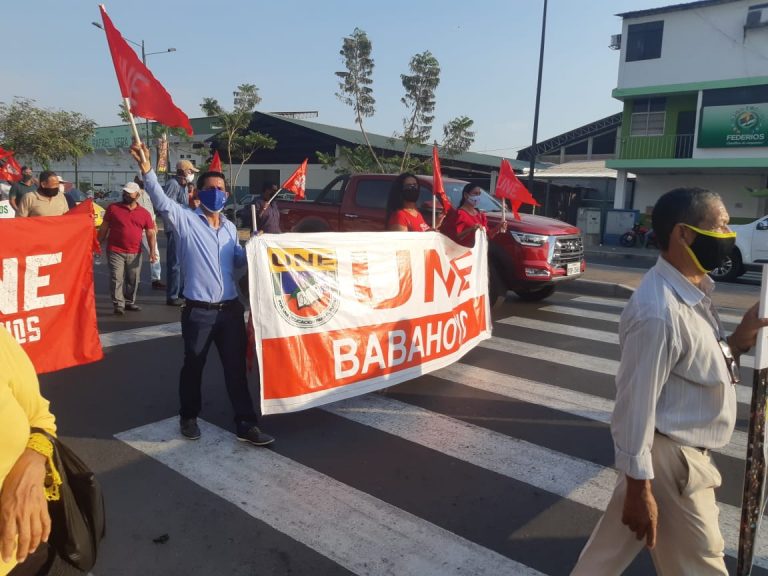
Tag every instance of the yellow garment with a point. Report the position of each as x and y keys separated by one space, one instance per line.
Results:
x=42 y=445
x=21 y=407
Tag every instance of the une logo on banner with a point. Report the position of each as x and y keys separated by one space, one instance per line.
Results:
x=305 y=287
x=26 y=329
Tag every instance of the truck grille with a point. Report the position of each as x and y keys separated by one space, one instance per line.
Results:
x=566 y=249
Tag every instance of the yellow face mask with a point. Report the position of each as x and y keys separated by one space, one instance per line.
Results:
x=709 y=248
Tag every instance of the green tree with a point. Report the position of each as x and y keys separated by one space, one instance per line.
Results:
x=43 y=135
x=355 y=83
x=419 y=100
x=457 y=136
x=240 y=143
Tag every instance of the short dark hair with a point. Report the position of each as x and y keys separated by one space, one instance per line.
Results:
x=45 y=174
x=25 y=168
x=210 y=174
x=268 y=185
x=681 y=205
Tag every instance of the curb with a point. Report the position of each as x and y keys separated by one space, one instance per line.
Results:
x=649 y=258
x=599 y=288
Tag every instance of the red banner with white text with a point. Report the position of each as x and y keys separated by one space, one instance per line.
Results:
x=46 y=288
x=338 y=315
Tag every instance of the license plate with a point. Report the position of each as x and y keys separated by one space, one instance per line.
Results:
x=573 y=268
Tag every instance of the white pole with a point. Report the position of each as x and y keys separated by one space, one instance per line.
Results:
x=434 y=212
x=254 y=227
x=274 y=195
x=135 y=131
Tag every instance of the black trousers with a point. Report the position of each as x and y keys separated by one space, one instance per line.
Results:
x=226 y=329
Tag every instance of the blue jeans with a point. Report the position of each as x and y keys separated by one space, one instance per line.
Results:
x=175 y=285
x=226 y=328
x=155 y=269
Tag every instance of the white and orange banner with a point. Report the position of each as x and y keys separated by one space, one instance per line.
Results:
x=339 y=314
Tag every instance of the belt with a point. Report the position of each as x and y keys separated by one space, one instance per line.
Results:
x=699 y=448
x=212 y=305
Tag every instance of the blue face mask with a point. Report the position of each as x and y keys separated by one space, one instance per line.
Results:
x=212 y=198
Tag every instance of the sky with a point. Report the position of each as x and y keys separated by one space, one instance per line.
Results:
x=488 y=52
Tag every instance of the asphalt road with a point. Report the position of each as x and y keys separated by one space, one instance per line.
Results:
x=498 y=464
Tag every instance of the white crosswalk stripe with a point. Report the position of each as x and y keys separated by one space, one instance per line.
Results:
x=361 y=533
x=615 y=303
x=368 y=536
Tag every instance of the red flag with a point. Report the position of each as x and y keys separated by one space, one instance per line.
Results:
x=215 y=163
x=48 y=303
x=509 y=186
x=297 y=181
x=147 y=96
x=89 y=207
x=437 y=181
x=9 y=168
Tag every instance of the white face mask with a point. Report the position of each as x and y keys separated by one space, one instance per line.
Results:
x=190 y=178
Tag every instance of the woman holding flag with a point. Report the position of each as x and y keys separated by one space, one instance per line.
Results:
x=462 y=223
x=403 y=214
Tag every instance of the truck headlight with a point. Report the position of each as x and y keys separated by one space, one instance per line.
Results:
x=529 y=239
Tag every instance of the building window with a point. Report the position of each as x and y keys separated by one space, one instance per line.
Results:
x=644 y=41
x=648 y=115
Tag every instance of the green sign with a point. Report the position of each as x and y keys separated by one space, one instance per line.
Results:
x=734 y=126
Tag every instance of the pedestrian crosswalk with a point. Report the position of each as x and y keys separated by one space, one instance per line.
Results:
x=507 y=453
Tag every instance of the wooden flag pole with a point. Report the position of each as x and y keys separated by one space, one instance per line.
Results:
x=753 y=499
x=136 y=137
x=274 y=195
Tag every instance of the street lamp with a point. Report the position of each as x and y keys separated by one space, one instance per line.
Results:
x=538 y=99
x=143 y=61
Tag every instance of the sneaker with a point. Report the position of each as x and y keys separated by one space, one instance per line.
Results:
x=119 y=311
x=189 y=428
x=133 y=307
x=158 y=285
x=174 y=302
x=255 y=436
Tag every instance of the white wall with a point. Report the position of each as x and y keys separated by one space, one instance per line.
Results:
x=738 y=202
x=699 y=45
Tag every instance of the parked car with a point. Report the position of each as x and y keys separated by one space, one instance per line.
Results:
x=540 y=252
x=749 y=253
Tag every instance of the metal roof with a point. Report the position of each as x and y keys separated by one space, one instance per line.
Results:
x=577 y=169
x=575 y=135
x=675 y=8
x=355 y=137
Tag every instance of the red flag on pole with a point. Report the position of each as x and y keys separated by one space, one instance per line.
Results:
x=437 y=181
x=9 y=168
x=215 y=163
x=509 y=186
x=147 y=96
x=297 y=181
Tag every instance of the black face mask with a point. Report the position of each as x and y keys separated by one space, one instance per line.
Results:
x=709 y=249
x=411 y=194
x=50 y=192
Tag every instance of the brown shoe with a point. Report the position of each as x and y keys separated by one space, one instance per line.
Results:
x=158 y=285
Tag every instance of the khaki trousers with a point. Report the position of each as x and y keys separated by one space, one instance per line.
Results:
x=688 y=539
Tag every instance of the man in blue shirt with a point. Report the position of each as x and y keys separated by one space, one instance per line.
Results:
x=209 y=251
x=176 y=190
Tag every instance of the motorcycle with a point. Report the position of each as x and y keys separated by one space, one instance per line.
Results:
x=646 y=237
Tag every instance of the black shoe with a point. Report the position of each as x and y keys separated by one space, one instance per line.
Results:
x=133 y=307
x=119 y=311
x=158 y=285
x=175 y=302
x=189 y=428
x=254 y=436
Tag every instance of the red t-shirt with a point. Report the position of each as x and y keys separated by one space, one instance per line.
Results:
x=412 y=223
x=460 y=220
x=126 y=227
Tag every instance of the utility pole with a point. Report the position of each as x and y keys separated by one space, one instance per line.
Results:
x=538 y=99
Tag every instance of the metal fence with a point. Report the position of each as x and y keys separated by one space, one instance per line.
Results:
x=641 y=147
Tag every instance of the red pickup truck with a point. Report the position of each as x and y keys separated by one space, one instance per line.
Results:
x=537 y=253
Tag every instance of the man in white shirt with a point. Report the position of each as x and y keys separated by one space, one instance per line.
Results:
x=675 y=400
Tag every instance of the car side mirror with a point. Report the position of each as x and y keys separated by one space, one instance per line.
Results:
x=762 y=225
